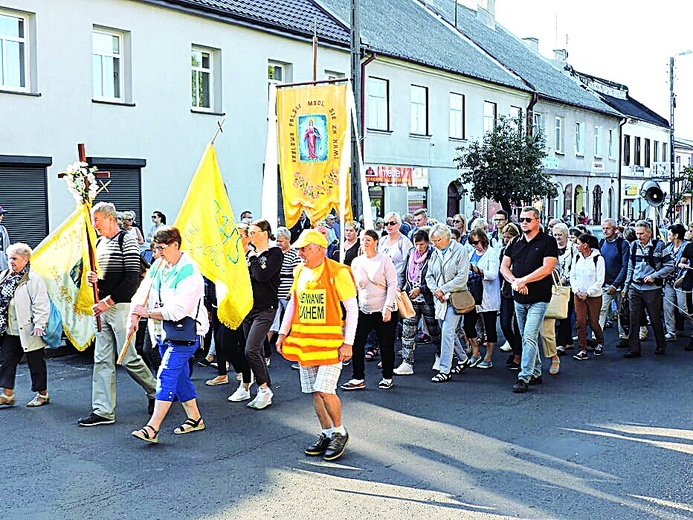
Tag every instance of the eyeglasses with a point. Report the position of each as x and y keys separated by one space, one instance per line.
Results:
x=436 y=240
x=161 y=247
x=526 y=219
x=391 y=223
x=473 y=242
x=499 y=219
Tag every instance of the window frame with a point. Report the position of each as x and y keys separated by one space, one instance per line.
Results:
x=201 y=70
x=580 y=138
x=559 y=135
x=626 y=150
x=647 y=153
x=487 y=117
x=26 y=51
x=457 y=116
x=121 y=65
x=373 y=104
x=637 y=151
x=598 y=144
x=418 y=109
x=613 y=139
x=537 y=122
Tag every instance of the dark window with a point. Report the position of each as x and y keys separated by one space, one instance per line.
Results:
x=125 y=187
x=24 y=195
x=647 y=153
x=636 y=152
x=626 y=150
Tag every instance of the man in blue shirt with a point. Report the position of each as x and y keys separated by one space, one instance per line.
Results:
x=616 y=254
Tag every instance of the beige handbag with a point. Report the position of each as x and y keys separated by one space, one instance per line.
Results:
x=462 y=301
x=560 y=297
x=404 y=305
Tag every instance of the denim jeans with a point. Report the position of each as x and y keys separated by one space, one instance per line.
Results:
x=529 y=319
x=607 y=300
x=449 y=342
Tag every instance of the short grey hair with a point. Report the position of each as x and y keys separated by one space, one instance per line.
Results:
x=284 y=232
x=21 y=249
x=107 y=209
x=440 y=230
x=644 y=224
x=610 y=221
x=129 y=214
x=561 y=227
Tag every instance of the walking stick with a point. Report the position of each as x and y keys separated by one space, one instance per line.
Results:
x=133 y=333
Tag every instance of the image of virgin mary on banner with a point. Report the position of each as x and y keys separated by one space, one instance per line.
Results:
x=312 y=132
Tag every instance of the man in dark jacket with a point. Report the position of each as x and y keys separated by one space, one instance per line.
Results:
x=616 y=254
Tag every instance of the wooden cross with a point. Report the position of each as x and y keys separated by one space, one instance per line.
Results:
x=92 y=254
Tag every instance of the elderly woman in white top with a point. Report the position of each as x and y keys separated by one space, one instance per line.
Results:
x=394 y=244
x=484 y=265
x=587 y=280
x=447 y=272
x=376 y=281
x=567 y=252
x=24 y=312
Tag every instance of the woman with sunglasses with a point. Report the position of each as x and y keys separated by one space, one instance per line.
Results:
x=459 y=222
x=158 y=220
x=484 y=264
x=130 y=228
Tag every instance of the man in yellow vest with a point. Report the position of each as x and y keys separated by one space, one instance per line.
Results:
x=315 y=333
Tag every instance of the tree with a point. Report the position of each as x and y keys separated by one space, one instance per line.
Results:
x=506 y=165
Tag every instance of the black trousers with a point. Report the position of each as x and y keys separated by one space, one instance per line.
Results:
x=508 y=323
x=385 y=331
x=10 y=355
x=231 y=347
x=651 y=301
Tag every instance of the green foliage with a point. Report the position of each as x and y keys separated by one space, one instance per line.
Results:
x=506 y=165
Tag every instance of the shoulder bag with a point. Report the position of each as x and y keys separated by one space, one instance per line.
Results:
x=183 y=331
x=462 y=301
x=560 y=296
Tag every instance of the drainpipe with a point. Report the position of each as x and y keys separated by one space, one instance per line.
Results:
x=363 y=101
x=530 y=112
x=620 y=166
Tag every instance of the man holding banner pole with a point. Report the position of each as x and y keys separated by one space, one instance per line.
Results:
x=314 y=334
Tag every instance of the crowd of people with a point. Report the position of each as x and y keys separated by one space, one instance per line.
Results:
x=324 y=307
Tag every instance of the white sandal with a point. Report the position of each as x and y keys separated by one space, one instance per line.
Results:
x=6 y=400
x=39 y=400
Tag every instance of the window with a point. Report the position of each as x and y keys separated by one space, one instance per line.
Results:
x=537 y=123
x=665 y=153
x=515 y=115
x=612 y=143
x=107 y=65
x=419 y=110
x=278 y=72
x=13 y=52
x=331 y=74
x=579 y=138
x=598 y=141
x=202 y=80
x=655 y=152
x=490 y=116
x=636 y=152
x=626 y=150
x=125 y=188
x=559 y=137
x=378 y=109
x=648 y=159
x=456 y=116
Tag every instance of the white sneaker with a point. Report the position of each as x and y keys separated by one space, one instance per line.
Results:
x=262 y=400
x=506 y=347
x=643 y=333
x=436 y=364
x=405 y=369
x=241 y=394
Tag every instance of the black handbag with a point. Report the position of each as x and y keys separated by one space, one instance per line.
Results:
x=475 y=284
x=182 y=331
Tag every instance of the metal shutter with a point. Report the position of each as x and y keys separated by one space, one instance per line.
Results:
x=24 y=195
x=125 y=188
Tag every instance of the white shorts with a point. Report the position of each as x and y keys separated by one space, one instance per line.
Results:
x=321 y=378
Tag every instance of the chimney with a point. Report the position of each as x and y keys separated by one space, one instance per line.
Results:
x=560 y=55
x=486 y=13
x=532 y=43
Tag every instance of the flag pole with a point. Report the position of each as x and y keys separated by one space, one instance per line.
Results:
x=216 y=133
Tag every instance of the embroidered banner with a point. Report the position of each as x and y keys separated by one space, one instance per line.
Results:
x=312 y=134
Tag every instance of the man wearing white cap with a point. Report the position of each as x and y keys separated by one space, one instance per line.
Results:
x=314 y=333
x=4 y=241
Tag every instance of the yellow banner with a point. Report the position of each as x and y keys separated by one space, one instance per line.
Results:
x=62 y=259
x=312 y=133
x=211 y=238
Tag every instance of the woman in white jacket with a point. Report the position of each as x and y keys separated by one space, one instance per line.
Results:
x=484 y=264
x=586 y=280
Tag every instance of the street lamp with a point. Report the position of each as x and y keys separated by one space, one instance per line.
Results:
x=672 y=153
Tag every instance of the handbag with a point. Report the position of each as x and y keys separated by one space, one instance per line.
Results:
x=404 y=305
x=462 y=301
x=560 y=296
x=54 y=328
x=183 y=331
x=475 y=284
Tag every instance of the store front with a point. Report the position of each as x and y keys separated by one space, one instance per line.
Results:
x=403 y=189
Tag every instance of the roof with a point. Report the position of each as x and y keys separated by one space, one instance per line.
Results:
x=549 y=82
x=633 y=108
x=292 y=16
x=403 y=29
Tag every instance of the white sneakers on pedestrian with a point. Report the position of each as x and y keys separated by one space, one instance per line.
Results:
x=405 y=369
x=436 y=364
x=262 y=400
x=506 y=347
x=241 y=394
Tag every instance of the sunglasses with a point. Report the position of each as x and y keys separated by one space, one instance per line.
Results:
x=473 y=242
x=391 y=223
x=455 y=221
x=526 y=219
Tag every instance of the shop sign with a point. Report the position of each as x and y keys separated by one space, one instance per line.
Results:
x=550 y=163
x=598 y=167
x=397 y=175
x=631 y=190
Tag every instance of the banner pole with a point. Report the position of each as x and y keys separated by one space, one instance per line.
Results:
x=365 y=197
x=270 y=209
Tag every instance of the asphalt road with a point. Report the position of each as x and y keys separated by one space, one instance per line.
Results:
x=605 y=438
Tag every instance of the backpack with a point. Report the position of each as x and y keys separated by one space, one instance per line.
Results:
x=144 y=265
x=650 y=254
